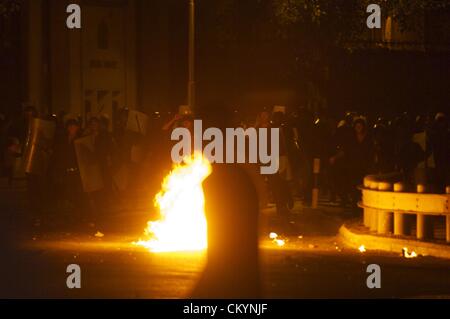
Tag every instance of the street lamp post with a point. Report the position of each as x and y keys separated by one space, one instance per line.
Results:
x=191 y=81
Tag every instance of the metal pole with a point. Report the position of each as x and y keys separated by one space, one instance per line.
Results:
x=191 y=83
x=315 y=190
x=447 y=226
x=424 y=223
x=400 y=219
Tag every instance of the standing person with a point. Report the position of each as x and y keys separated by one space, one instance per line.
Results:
x=99 y=198
x=323 y=143
x=440 y=144
x=104 y=148
x=293 y=152
x=359 y=157
x=181 y=121
x=383 y=147
x=279 y=182
x=21 y=126
x=262 y=184
x=305 y=129
x=65 y=171
x=172 y=123
x=36 y=152
x=408 y=153
x=105 y=145
x=339 y=168
x=124 y=140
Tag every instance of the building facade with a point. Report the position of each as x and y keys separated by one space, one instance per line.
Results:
x=128 y=53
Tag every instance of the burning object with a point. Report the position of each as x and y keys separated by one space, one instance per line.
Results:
x=408 y=254
x=276 y=240
x=182 y=225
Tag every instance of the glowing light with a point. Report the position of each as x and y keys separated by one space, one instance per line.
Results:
x=408 y=254
x=275 y=240
x=182 y=225
x=280 y=242
x=362 y=249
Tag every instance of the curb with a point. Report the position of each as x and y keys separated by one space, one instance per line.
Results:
x=354 y=238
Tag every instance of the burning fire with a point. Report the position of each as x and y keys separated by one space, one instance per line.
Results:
x=276 y=240
x=408 y=254
x=182 y=225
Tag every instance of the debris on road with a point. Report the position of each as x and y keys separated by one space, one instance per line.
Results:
x=276 y=240
x=99 y=235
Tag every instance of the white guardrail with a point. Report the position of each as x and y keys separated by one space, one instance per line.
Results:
x=388 y=208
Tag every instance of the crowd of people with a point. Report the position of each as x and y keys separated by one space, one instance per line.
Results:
x=356 y=146
x=348 y=148
x=51 y=167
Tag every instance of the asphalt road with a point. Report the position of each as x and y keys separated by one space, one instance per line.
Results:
x=312 y=264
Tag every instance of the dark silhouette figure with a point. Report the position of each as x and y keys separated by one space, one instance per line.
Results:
x=440 y=145
x=232 y=269
x=231 y=206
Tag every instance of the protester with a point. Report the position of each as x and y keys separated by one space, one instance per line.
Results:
x=348 y=150
x=383 y=147
x=440 y=145
x=359 y=156
x=21 y=125
x=65 y=171
x=408 y=153
x=279 y=182
x=339 y=167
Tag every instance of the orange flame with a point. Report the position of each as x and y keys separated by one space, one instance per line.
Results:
x=182 y=225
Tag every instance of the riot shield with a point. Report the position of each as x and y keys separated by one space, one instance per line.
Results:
x=137 y=122
x=38 y=147
x=88 y=164
x=121 y=177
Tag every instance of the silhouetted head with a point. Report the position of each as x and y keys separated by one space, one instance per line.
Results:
x=72 y=127
x=349 y=118
x=441 y=121
x=93 y=125
x=360 y=126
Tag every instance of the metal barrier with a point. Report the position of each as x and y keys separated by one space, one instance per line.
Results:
x=388 y=208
